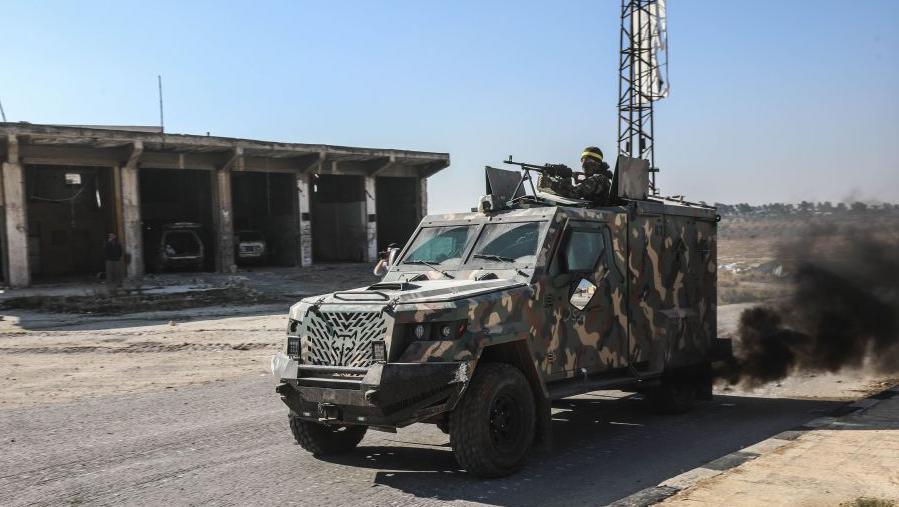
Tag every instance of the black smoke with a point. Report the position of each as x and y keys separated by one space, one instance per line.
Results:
x=842 y=311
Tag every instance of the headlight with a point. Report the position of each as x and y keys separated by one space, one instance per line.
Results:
x=379 y=350
x=293 y=345
x=428 y=331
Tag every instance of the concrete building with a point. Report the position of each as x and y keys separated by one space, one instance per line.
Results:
x=65 y=187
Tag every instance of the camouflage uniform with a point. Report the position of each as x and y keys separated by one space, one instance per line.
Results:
x=594 y=188
x=556 y=185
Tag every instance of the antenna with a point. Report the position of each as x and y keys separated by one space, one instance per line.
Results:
x=2 y=112
x=161 y=118
x=643 y=69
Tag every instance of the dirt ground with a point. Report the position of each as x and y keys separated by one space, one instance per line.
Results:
x=48 y=357
x=756 y=255
x=43 y=360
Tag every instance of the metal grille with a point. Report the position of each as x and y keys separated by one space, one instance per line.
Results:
x=341 y=338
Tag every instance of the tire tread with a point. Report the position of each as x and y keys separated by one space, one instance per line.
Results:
x=467 y=433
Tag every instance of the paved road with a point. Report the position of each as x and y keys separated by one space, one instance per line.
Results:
x=228 y=443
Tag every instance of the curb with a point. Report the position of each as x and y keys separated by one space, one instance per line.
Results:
x=655 y=494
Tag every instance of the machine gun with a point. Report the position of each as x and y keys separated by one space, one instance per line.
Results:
x=505 y=187
x=555 y=170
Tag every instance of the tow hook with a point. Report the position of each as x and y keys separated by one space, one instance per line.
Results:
x=328 y=412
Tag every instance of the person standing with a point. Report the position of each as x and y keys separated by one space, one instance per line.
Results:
x=112 y=251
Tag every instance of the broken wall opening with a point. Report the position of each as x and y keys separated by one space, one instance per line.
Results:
x=70 y=210
x=338 y=218
x=170 y=196
x=397 y=209
x=265 y=206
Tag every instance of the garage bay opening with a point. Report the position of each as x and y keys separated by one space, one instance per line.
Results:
x=177 y=216
x=70 y=211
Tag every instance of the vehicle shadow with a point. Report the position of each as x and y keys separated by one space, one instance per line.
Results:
x=603 y=450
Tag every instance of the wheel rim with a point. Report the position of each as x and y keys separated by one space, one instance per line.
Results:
x=505 y=423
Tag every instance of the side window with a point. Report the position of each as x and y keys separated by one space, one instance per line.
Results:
x=582 y=250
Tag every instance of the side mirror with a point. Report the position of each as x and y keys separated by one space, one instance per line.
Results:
x=387 y=259
x=582 y=294
x=392 y=254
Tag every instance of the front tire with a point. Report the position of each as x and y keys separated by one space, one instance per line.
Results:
x=321 y=439
x=492 y=427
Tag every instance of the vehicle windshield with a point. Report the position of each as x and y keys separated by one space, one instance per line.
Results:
x=440 y=245
x=508 y=242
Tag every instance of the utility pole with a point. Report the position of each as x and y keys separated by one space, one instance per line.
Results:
x=161 y=118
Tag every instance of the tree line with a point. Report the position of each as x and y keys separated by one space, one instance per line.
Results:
x=804 y=208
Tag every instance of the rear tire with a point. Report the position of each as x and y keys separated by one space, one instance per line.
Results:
x=321 y=439
x=492 y=427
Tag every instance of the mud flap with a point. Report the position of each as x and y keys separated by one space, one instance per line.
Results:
x=543 y=439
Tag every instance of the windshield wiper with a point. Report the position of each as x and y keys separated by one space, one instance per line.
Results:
x=493 y=257
x=430 y=265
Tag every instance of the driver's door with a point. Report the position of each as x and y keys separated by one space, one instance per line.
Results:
x=587 y=295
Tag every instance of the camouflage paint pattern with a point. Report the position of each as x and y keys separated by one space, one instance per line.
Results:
x=653 y=306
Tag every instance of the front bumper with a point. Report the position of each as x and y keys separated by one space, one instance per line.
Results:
x=384 y=394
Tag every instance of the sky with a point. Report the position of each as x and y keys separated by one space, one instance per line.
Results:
x=770 y=101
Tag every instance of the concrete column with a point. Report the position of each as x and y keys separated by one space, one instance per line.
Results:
x=224 y=222
x=371 y=220
x=4 y=264
x=19 y=274
x=132 y=223
x=305 y=223
x=422 y=197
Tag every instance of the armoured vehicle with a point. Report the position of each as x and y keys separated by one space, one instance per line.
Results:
x=484 y=318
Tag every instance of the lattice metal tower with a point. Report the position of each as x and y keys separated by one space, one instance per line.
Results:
x=643 y=70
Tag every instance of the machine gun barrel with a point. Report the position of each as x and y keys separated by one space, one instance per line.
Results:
x=559 y=170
